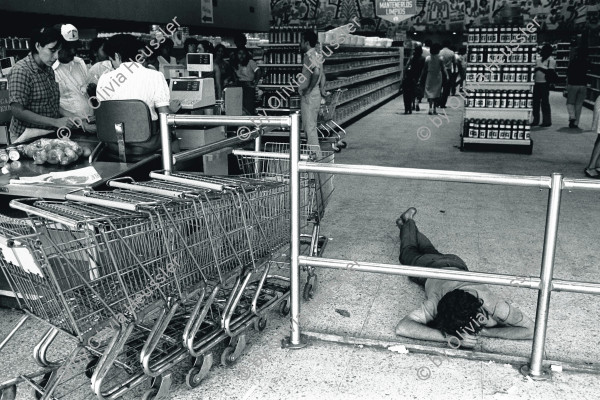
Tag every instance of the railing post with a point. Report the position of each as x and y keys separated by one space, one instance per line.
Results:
x=165 y=138
x=535 y=368
x=295 y=340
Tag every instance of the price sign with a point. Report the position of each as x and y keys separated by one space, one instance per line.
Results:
x=396 y=11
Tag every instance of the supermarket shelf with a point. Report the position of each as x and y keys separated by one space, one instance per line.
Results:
x=501 y=85
x=500 y=44
x=367 y=92
x=331 y=85
x=350 y=56
x=497 y=113
x=362 y=110
x=483 y=64
x=509 y=142
x=361 y=67
x=279 y=45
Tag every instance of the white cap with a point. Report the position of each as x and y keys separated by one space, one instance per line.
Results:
x=69 y=33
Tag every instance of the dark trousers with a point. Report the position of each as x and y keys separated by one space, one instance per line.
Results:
x=447 y=86
x=418 y=251
x=409 y=93
x=541 y=96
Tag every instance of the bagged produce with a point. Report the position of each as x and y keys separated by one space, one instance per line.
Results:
x=55 y=151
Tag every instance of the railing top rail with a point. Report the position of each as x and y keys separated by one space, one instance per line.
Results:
x=583 y=184
x=218 y=120
x=427 y=174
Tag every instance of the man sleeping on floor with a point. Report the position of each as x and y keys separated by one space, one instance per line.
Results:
x=454 y=312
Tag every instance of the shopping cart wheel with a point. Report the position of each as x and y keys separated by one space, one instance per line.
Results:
x=335 y=148
x=260 y=324
x=199 y=371
x=227 y=357
x=37 y=395
x=9 y=393
x=91 y=367
x=284 y=308
x=342 y=144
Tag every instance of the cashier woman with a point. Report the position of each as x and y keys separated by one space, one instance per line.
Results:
x=34 y=94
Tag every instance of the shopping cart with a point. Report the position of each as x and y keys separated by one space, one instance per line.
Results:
x=244 y=221
x=88 y=268
x=328 y=130
x=273 y=164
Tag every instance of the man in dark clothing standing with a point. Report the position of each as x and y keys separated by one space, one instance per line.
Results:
x=576 y=85
x=412 y=74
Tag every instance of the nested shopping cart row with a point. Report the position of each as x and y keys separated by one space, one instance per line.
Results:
x=91 y=260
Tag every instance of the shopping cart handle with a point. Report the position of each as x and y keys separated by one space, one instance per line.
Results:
x=19 y=205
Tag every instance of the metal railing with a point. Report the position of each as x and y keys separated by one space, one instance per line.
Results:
x=545 y=284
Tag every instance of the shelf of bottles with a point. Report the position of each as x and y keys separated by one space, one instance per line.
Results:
x=562 y=64
x=500 y=77
x=367 y=72
x=593 y=90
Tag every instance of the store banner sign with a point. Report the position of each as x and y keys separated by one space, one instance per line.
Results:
x=206 y=11
x=396 y=11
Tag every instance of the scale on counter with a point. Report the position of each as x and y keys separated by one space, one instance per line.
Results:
x=195 y=92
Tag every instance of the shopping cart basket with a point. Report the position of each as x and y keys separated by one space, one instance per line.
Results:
x=327 y=128
x=316 y=189
x=241 y=209
x=91 y=267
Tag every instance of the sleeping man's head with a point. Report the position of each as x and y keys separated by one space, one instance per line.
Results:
x=459 y=311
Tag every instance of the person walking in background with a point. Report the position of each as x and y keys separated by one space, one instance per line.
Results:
x=546 y=64
x=309 y=88
x=97 y=53
x=432 y=77
x=461 y=65
x=224 y=66
x=412 y=74
x=576 y=85
x=591 y=171
x=449 y=59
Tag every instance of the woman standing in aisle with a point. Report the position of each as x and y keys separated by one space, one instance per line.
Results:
x=576 y=85
x=412 y=74
x=248 y=74
x=546 y=64
x=433 y=76
x=33 y=91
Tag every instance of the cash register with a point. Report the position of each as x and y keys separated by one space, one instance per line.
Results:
x=195 y=92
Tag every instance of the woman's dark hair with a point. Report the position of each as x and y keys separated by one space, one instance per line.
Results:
x=96 y=44
x=546 y=51
x=435 y=49
x=45 y=36
x=418 y=52
x=310 y=37
x=190 y=41
x=208 y=47
x=236 y=60
x=456 y=311
x=240 y=40
x=125 y=45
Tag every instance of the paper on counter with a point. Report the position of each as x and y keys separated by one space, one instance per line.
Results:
x=81 y=176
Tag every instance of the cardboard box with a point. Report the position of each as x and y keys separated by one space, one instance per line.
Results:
x=194 y=138
x=216 y=163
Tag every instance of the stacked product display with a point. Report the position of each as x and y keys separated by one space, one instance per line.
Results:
x=371 y=74
x=562 y=64
x=593 y=90
x=499 y=97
